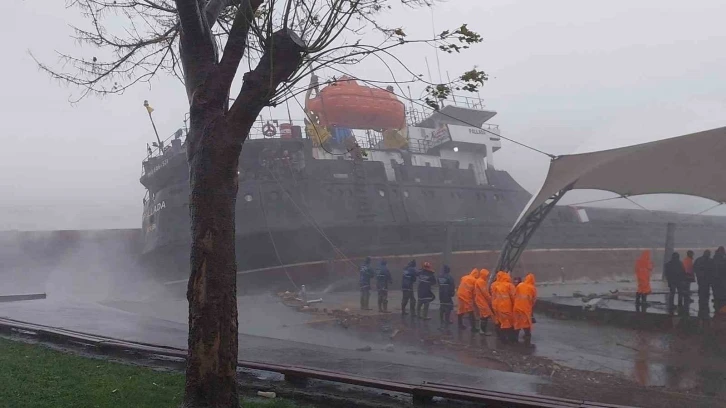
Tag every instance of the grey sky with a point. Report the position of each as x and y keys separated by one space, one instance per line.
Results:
x=567 y=76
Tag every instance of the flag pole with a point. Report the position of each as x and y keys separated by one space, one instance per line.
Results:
x=150 y=109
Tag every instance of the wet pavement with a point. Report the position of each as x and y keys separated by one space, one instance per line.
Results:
x=661 y=359
x=275 y=333
x=269 y=332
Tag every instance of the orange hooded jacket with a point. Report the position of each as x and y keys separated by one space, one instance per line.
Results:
x=465 y=292
x=503 y=300
x=483 y=298
x=643 y=267
x=524 y=297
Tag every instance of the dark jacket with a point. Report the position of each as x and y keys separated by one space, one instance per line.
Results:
x=366 y=274
x=447 y=286
x=703 y=269
x=718 y=277
x=426 y=280
x=409 y=276
x=674 y=272
x=383 y=277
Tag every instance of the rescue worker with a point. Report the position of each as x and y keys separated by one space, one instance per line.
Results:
x=383 y=279
x=426 y=280
x=516 y=281
x=502 y=291
x=446 y=297
x=366 y=274
x=407 y=281
x=676 y=277
x=688 y=267
x=525 y=295
x=483 y=300
x=643 y=268
x=703 y=269
x=465 y=298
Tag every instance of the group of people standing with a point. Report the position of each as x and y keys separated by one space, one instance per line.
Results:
x=709 y=273
x=508 y=305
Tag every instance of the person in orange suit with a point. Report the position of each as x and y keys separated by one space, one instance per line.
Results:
x=643 y=268
x=465 y=298
x=483 y=299
x=502 y=292
x=525 y=295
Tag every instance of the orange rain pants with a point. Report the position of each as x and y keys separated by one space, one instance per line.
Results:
x=465 y=292
x=643 y=267
x=483 y=298
x=503 y=300
x=525 y=294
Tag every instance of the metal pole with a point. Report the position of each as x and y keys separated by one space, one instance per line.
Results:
x=448 y=244
x=158 y=139
x=670 y=244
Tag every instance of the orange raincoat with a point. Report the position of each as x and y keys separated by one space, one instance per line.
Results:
x=483 y=298
x=643 y=267
x=524 y=297
x=465 y=293
x=503 y=300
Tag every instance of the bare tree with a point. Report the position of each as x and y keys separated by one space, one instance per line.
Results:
x=204 y=43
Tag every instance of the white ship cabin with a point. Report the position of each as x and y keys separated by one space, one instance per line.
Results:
x=456 y=136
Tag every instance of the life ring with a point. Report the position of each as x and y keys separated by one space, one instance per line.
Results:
x=269 y=130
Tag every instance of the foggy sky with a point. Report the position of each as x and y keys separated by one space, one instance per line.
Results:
x=566 y=76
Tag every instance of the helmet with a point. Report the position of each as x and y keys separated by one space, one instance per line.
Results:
x=427 y=266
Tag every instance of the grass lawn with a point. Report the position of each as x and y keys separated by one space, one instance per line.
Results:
x=38 y=377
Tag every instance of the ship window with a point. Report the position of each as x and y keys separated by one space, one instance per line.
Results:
x=248 y=197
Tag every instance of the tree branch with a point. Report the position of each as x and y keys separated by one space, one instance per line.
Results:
x=283 y=56
x=197 y=48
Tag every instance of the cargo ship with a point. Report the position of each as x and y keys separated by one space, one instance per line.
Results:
x=363 y=175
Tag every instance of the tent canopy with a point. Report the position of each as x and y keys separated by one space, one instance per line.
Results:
x=693 y=164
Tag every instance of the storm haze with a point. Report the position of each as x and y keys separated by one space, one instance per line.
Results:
x=565 y=77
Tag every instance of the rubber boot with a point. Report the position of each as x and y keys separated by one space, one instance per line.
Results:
x=483 y=325
x=474 y=328
x=527 y=337
x=418 y=309
x=385 y=306
x=425 y=315
x=461 y=322
x=413 y=307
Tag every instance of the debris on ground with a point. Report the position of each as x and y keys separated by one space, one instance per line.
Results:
x=366 y=348
x=267 y=394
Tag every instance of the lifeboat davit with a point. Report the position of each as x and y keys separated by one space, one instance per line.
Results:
x=347 y=104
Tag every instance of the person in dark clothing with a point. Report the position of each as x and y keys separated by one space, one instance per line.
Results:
x=446 y=297
x=366 y=274
x=718 y=279
x=703 y=269
x=383 y=279
x=675 y=275
x=426 y=280
x=407 y=281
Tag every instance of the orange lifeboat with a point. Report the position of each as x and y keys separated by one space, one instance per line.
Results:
x=347 y=104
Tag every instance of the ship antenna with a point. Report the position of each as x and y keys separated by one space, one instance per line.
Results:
x=433 y=30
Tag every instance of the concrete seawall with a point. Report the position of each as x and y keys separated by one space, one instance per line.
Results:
x=106 y=260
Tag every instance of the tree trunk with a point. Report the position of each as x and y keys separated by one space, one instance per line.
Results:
x=212 y=348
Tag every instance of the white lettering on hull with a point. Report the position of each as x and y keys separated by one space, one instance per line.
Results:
x=155 y=209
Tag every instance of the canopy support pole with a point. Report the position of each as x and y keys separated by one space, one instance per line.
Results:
x=517 y=239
